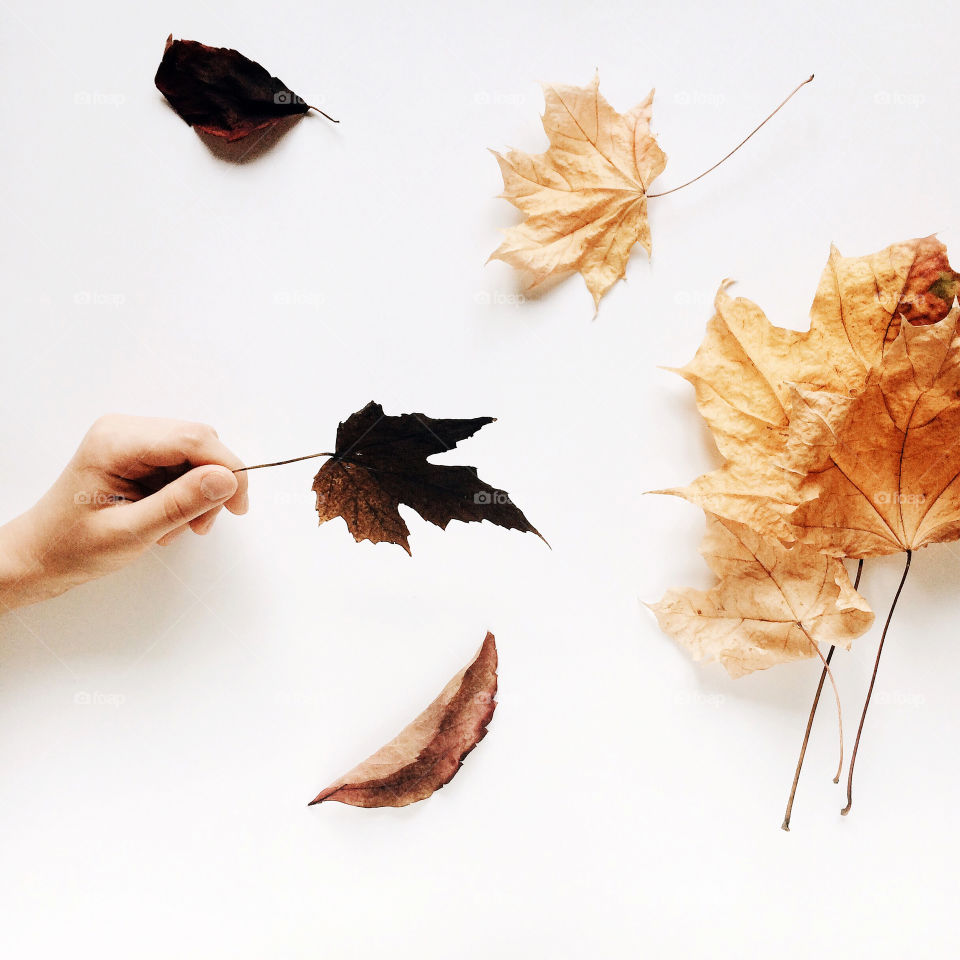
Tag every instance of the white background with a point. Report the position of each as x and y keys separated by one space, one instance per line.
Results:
x=626 y=802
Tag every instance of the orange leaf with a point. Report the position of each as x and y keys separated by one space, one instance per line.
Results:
x=840 y=436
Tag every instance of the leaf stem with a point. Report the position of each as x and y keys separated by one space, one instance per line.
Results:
x=873 y=678
x=650 y=196
x=327 y=115
x=280 y=463
x=806 y=735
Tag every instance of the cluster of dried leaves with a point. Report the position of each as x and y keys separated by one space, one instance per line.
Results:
x=837 y=442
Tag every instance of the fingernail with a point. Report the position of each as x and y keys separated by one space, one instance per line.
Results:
x=216 y=485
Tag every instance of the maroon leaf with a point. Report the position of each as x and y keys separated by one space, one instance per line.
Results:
x=221 y=92
x=430 y=750
x=381 y=461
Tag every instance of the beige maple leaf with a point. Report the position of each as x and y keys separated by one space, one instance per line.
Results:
x=585 y=199
x=772 y=603
x=838 y=441
x=774 y=397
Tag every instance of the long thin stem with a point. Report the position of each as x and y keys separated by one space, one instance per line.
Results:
x=327 y=115
x=650 y=196
x=280 y=463
x=873 y=679
x=813 y=711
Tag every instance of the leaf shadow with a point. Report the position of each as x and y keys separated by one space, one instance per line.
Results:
x=100 y=631
x=249 y=148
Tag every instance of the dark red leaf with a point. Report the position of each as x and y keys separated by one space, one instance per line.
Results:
x=221 y=92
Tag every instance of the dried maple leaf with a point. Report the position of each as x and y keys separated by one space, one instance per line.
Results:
x=380 y=461
x=585 y=199
x=429 y=751
x=221 y=92
x=840 y=440
x=884 y=474
x=772 y=604
x=774 y=398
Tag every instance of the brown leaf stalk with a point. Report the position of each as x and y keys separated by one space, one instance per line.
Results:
x=756 y=129
x=813 y=710
x=873 y=679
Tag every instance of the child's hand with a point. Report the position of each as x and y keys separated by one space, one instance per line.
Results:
x=134 y=482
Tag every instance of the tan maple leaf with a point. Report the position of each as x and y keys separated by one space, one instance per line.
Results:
x=840 y=441
x=772 y=604
x=585 y=199
x=774 y=397
x=884 y=477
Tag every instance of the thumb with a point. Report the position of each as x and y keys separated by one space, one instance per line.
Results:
x=180 y=501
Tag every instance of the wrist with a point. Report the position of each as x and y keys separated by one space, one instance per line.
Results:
x=21 y=573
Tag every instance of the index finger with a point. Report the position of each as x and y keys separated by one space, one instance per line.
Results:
x=148 y=443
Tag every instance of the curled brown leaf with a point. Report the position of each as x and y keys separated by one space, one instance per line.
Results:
x=429 y=751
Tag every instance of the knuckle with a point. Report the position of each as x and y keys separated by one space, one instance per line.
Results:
x=103 y=426
x=195 y=435
x=176 y=510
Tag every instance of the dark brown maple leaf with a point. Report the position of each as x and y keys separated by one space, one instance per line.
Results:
x=221 y=92
x=381 y=461
x=429 y=751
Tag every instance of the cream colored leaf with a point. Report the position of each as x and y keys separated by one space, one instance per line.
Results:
x=772 y=603
x=585 y=199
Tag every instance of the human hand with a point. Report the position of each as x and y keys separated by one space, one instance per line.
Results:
x=133 y=482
